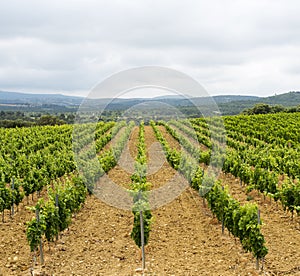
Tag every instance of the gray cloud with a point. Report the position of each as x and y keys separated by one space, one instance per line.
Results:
x=231 y=47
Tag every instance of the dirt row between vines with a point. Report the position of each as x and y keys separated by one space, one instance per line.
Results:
x=185 y=238
x=282 y=235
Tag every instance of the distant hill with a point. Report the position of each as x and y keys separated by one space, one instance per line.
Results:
x=228 y=104
x=38 y=99
x=289 y=99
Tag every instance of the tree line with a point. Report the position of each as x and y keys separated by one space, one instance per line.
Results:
x=12 y=119
x=262 y=108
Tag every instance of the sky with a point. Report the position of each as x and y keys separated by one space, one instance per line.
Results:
x=232 y=47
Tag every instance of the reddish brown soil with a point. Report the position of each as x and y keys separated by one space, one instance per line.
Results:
x=191 y=139
x=185 y=238
x=171 y=141
x=112 y=141
x=158 y=171
x=281 y=233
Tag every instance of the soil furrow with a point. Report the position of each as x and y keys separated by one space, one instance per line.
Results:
x=282 y=235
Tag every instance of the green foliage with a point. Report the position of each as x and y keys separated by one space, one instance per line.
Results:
x=17 y=194
x=263 y=149
x=139 y=192
x=196 y=182
x=49 y=120
x=259 y=108
x=87 y=160
x=51 y=219
x=136 y=230
x=241 y=221
x=55 y=215
x=9 y=196
x=5 y=197
x=36 y=227
x=290 y=195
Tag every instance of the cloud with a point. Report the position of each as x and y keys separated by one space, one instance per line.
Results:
x=231 y=47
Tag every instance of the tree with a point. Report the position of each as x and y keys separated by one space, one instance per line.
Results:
x=49 y=120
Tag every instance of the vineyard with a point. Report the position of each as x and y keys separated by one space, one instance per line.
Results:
x=205 y=196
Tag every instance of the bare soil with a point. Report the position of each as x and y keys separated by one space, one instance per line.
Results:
x=282 y=234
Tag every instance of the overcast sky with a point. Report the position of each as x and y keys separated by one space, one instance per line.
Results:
x=230 y=47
